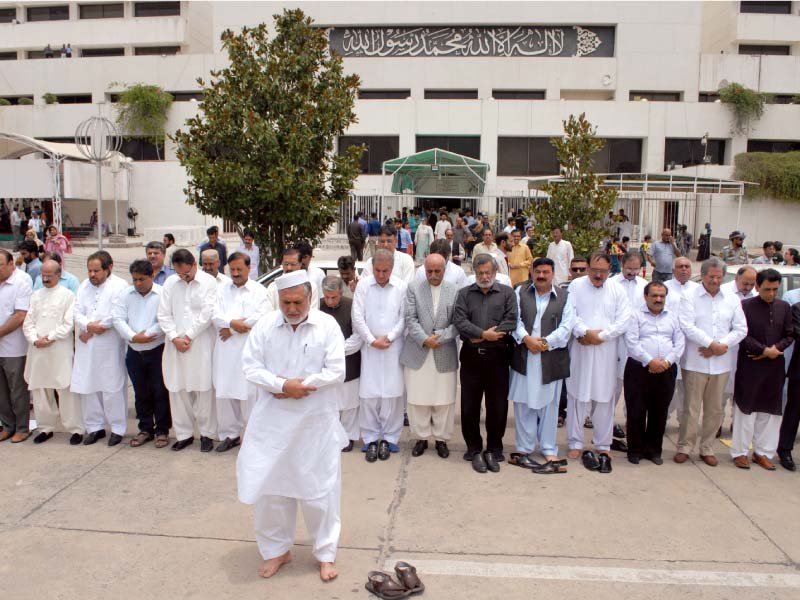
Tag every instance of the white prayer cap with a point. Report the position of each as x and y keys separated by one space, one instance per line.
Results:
x=293 y=279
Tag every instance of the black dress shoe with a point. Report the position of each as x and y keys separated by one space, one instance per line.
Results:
x=75 y=439
x=372 y=452
x=633 y=459
x=590 y=460
x=619 y=446
x=605 y=463
x=479 y=463
x=349 y=447
x=469 y=455
x=719 y=432
x=523 y=460
x=42 y=437
x=114 y=439
x=619 y=432
x=419 y=448
x=405 y=419
x=206 y=444
x=91 y=438
x=787 y=462
x=442 y=450
x=656 y=460
x=227 y=444
x=491 y=461
x=383 y=450
x=181 y=444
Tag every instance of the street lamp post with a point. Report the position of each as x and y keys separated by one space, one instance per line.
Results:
x=98 y=139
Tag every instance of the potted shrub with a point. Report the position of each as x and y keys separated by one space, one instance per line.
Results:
x=50 y=98
x=25 y=101
x=747 y=105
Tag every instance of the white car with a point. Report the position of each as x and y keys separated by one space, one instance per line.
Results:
x=790 y=276
x=328 y=266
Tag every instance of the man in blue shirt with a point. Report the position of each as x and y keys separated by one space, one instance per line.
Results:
x=156 y=253
x=30 y=254
x=373 y=229
x=66 y=280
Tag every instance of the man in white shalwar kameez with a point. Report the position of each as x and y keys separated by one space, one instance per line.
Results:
x=184 y=313
x=680 y=284
x=240 y=304
x=379 y=318
x=602 y=312
x=536 y=392
x=291 y=453
x=48 y=368
x=404 y=269
x=210 y=262
x=98 y=373
x=290 y=262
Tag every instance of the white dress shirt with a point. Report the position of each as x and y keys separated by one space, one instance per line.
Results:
x=133 y=313
x=255 y=257
x=705 y=319
x=452 y=273
x=650 y=336
x=15 y=294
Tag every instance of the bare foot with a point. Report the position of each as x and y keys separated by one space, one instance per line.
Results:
x=327 y=571
x=271 y=566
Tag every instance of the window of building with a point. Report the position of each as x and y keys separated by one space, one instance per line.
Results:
x=619 y=155
x=708 y=97
x=518 y=94
x=383 y=94
x=97 y=52
x=603 y=95
x=156 y=9
x=451 y=94
x=526 y=157
x=101 y=11
x=156 y=50
x=763 y=49
x=48 y=13
x=773 y=145
x=379 y=148
x=74 y=98
x=7 y=15
x=655 y=96
x=466 y=145
x=36 y=54
x=15 y=99
x=8 y=56
x=772 y=7
x=187 y=96
x=139 y=149
x=688 y=152
x=782 y=98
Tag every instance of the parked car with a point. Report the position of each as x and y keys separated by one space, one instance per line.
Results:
x=328 y=266
x=790 y=276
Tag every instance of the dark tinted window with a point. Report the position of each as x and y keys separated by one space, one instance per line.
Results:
x=37 y=53
x=75 y=99
x=773 y=7
x=187 y=96
x=521 y=156
x=655 y=96
x=101 y=11
x=16 y=99
x=781 y=98
x=8 y=56
x=451 y=94
x=773 y=145
x=518 y=94
x=759 y=49
x=95 y=52
x=377 y=150
x=383 y=94
x=139 y=149
x=7 y=15
x=466 y=145
x=48 y=13
x=156 y=9
x=708 y=97
x=619 y=155
x=156 y=50
x=680 y=152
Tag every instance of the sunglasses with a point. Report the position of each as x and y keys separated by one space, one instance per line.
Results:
x=578 y=269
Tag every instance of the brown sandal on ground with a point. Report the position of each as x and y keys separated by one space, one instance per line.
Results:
x=407 y=575
x=383 y=586
x=162 y=441
x=141 y=438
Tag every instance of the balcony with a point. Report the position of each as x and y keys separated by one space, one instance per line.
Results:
x=774 y=74
x=768 y=29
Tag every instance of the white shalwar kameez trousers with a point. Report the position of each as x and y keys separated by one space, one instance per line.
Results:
x=536 y=403
x=292 y=451
x=49 y=370
x=349 y=401
x=634 y=288
x=186 y=309
x=593 y=369
x=675 y=292
x=380 y=311
x=98 y=372
x=234 y=394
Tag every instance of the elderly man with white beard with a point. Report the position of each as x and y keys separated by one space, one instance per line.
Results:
x=291 y=453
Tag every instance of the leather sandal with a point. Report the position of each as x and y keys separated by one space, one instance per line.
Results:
x=522 y=460
x=383 y=586
x=549 y=468
x=141 y=438
x=162 y=441
x=407 y=575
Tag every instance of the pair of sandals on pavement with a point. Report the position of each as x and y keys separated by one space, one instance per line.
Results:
x=383 y=586
x=551 y=467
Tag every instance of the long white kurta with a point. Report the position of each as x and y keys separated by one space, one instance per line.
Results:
x=561 y=254
x=50 y=314
x=186 y=309
x=380 y=311
x=403 y=269
x=634 y=289
x=247 y=302
x=593 y=368
x=99 y=364
x=293 y=446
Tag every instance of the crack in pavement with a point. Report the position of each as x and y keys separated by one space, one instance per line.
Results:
x=385 y=548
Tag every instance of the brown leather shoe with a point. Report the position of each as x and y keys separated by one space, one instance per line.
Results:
x=763 y=461
x=20 y=436
x=710 y=460
x=681 y=457
x=5 y=435
x=742 y=462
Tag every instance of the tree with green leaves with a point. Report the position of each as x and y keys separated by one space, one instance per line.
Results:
x=576 y=203
x=261 y=151
x=142 y=110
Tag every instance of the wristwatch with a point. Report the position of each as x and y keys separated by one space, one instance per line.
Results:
x=545 y=344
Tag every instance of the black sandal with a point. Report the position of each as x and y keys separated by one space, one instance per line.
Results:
x=407 y=575
x=383 y=586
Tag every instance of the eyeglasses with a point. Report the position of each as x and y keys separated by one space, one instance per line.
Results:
x=578 y=269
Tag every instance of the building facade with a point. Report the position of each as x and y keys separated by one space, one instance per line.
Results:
x=492 y=80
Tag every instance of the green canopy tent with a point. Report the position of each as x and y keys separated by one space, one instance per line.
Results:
x=437 y=172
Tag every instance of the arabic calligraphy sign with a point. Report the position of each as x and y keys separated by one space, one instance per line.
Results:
x=522 y=40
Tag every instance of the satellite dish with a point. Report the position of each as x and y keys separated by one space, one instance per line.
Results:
x=722 y=84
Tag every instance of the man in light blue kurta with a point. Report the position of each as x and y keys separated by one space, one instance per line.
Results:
x=536 y=393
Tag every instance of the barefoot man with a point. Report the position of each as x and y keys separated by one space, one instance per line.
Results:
x=291 y=451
